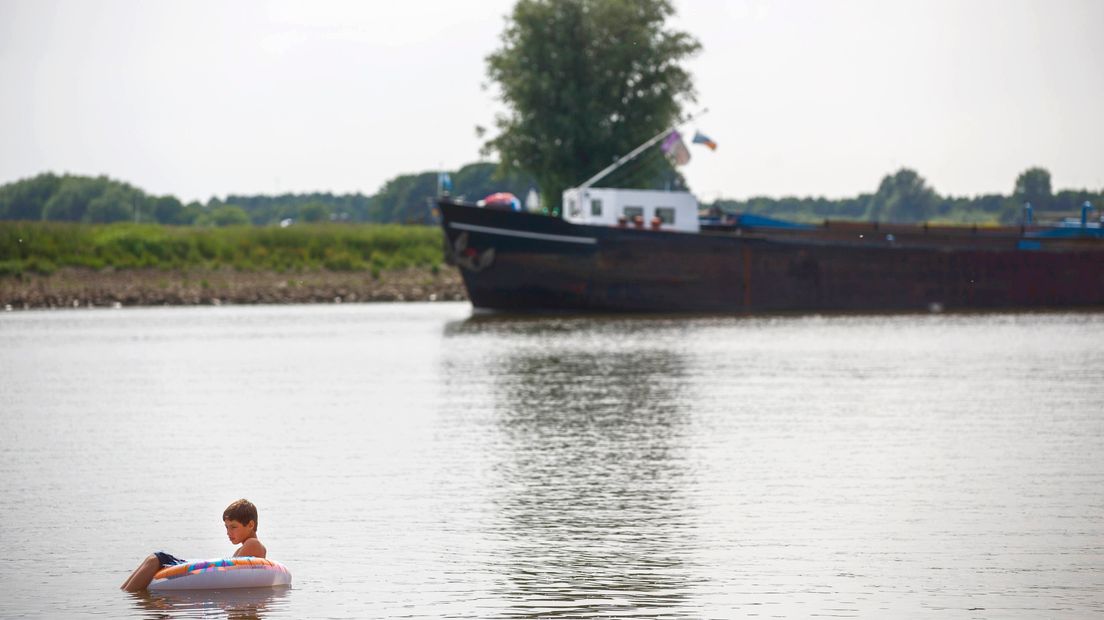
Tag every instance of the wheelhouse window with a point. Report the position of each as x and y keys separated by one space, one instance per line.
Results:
x=573 y=208
x=631 y=212
x=666 y=214
x=595 y=207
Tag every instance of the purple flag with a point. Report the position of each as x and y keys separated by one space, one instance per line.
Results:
x=675 y=149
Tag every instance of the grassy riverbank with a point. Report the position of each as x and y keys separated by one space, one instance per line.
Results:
x=43 y=247
x=45 y=264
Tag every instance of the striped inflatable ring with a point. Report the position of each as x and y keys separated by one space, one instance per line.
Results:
x=241 y=572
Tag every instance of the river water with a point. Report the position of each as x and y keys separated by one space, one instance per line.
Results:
x=413 y=460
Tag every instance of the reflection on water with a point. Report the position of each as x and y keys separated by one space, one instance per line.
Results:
x=589 y=481
x=789 y=466
x=235 y=604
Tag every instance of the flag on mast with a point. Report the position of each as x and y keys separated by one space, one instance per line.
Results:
x=700 y=138
x=675 y=149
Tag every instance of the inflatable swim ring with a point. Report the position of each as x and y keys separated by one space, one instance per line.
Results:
x=241 y=572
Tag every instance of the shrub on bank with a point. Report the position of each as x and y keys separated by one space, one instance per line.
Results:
x=45 y=246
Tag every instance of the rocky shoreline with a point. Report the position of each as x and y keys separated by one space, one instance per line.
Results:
x=84 y=288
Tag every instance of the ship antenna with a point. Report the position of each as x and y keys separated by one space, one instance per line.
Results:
x=638 y=150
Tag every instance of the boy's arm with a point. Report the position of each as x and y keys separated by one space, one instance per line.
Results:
x=252 y=548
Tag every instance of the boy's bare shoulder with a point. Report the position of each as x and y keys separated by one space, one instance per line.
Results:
x=251 y=548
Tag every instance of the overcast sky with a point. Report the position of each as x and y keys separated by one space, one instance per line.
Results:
x=203 y=98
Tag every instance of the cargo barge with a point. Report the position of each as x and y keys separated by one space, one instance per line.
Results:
x=623 y=250
x=601 y=257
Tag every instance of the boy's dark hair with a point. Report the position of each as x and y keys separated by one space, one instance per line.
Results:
x=243 y=511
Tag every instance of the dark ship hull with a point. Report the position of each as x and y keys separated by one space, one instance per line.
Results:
x=517 y=261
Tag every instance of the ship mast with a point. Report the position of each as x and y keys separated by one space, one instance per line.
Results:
x=638 y=150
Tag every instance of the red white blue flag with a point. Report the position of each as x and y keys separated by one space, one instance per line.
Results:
x=700 y=138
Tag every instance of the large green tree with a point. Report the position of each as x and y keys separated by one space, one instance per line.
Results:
x=585 y=81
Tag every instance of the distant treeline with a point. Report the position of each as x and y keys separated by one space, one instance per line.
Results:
x=905 y=197
x=101 y=200
x=901 y=197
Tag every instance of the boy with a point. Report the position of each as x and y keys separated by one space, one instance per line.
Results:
x=240 y=519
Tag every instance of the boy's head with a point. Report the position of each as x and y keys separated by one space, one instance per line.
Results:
x=243 y=511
